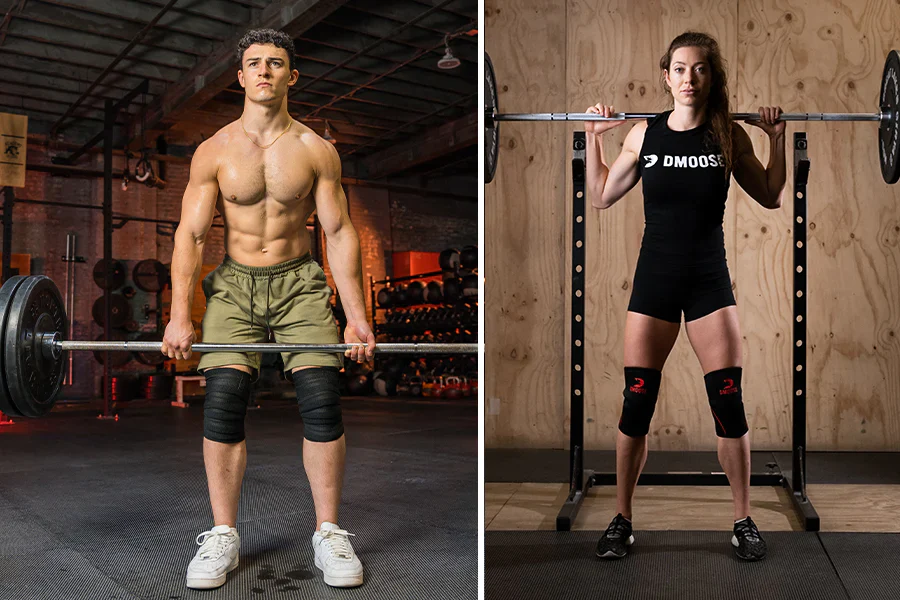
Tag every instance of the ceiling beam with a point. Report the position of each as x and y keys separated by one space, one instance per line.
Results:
x=140 y=13
x=98 y=43
x=55 y=69
x=432 y=144
x=114 y=28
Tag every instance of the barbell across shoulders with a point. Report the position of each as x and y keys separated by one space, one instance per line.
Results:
x=877 y=117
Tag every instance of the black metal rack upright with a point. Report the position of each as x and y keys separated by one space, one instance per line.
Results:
x=581 y=479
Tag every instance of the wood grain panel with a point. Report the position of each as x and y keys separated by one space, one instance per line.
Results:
x=534 y=506
x=822 y=56
x=524 y=217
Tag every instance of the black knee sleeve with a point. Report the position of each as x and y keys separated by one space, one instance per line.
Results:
x=723 y=387
x=641 y=392
x=227 y=396
x=319 y=395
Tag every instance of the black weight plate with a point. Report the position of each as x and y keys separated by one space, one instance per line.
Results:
x=889 y=132
x=491 y=127
x=117 y=358
x=102 y=279
x=119 y=309
x=6 y=295
x=150 y=275
x=34 y=380
x=152 y=358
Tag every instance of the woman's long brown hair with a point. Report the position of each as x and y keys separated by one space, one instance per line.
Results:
x=717 y=104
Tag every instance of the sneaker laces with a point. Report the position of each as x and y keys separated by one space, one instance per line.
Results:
x=617 y=528
x=747 y=529
x=338 y=542
x=213 y=544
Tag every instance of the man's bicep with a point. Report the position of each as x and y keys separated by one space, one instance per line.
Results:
x=331 y=202
x=198 y=207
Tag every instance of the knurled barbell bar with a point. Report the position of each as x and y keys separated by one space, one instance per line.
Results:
x=888 y=118
x=33 y=331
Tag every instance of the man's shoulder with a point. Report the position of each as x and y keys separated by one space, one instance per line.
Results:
x=322 y=153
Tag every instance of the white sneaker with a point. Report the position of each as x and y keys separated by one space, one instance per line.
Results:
x=335 y=557
x=218 y=555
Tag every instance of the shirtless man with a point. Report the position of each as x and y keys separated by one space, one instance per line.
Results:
x=265 y=174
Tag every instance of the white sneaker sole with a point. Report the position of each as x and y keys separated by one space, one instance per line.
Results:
x=205 y=583
x=342 y=581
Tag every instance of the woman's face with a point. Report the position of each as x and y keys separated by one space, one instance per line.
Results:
x=689 y=76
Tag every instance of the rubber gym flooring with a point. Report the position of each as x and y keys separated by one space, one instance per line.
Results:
x=94 y=509
x=682 y=534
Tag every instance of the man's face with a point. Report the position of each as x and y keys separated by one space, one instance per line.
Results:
x=266 y=73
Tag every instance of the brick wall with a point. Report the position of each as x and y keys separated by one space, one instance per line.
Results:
x=432 y=224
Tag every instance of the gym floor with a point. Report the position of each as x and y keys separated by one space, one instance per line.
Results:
x=103 y=509
x=682 y=534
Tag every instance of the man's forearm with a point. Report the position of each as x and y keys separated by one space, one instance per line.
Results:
x=187 y=258
x=346 y=269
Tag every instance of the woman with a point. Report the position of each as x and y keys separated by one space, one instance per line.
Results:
x=686 y=157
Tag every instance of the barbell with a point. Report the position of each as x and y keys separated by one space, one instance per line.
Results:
x=888 y=118
x=33 y=331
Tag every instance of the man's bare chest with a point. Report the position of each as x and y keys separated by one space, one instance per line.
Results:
x=250 y=176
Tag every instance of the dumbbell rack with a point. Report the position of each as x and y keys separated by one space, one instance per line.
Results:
x=581 y=479
x=402 y=332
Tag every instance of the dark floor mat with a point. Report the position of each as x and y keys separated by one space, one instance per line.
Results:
x=102 y=509
x=866 y=562
x=678 y=565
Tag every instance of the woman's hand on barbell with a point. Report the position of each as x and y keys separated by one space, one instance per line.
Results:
x=601 y=126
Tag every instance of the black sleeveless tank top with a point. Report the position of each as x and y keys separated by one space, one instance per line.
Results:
x=685 y=189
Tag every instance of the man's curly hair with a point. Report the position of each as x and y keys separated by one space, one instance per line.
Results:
x=267 y=36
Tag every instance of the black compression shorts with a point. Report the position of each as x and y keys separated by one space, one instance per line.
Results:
x=664 y=288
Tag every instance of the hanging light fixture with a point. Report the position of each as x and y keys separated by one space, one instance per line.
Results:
x=448 y=61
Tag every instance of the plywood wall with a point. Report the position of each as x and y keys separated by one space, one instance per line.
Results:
x=806 y=57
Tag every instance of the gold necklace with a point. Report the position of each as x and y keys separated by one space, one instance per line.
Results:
x=291 y=122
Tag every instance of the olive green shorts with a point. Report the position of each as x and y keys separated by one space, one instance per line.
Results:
x=290 y=299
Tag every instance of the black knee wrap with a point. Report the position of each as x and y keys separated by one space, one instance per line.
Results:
x=227 y=396
x=641 y=392
x=723 y=387
x=319 y=395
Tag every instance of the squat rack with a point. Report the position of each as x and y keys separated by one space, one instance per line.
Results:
x=581 y=479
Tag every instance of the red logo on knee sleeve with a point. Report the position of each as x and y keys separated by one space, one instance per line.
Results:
x=729 y=388
x=638 y=388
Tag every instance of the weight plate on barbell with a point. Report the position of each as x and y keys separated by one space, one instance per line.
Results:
x=491 y=127
x=33 y=380
x=889 y=132
x=6 y=295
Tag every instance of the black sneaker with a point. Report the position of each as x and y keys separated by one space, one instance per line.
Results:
x=616 y=539
x=748 y=544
